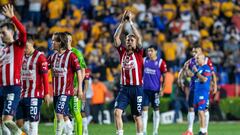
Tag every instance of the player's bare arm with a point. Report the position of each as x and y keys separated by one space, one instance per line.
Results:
x=135 y=30
x=80 y=80
x=163 y=85
x=214 y=80
x=118 y=32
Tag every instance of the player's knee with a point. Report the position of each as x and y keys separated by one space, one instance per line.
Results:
x=117 y=113
x=191 y=109
x=7 y=118
x=20 y=123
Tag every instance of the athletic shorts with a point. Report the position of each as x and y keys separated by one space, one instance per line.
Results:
x=150 y=96
x=61 y=104
x=132 y=95
x=29 y=109
x=11 y=98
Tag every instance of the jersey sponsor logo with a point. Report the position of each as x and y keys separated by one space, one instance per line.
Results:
x=128 y=64
x=59 y=72
x=149 y=71
x=27 y=75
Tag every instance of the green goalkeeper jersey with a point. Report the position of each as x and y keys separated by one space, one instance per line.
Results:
x=81 y=62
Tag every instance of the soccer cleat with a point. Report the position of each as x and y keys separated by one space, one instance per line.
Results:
x=187 y=133
x=155 y=133
x=23 y=133
x=200 y=133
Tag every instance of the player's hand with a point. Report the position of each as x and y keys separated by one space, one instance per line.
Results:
x=195 y=68
x=161 y=93
x=47 y=99
x=8 y=11
x=123 y=17
x=80 y=94
x=130 y=16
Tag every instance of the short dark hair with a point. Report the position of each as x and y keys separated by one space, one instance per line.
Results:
x=153 y=47
x=62 y=38
x=68 y=33
x=30 y=37
x=9 y=26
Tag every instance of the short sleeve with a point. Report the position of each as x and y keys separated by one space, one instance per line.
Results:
x=121 y=50
x=43 y=64
x=74 y=62
x=209 y=63
x=163 y=67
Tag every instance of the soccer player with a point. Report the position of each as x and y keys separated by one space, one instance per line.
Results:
x=201 y=90
x=34 y=79
x=64 y=65
x=131 y=74
x=186 y=70
x=10 y=67
x=154 y=69
x=75 y=104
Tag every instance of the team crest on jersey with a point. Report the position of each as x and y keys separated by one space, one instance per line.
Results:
x=128 y=63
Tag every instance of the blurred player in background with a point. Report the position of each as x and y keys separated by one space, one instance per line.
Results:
x=154 y=69
x=186 y=70
x=131 y=74
x=10 y=68
x=202 y=74
x=34 y=79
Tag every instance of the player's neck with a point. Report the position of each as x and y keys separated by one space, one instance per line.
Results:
x=61 y=51
x=153 y=58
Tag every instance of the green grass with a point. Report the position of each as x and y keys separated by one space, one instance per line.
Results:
x=221 y=128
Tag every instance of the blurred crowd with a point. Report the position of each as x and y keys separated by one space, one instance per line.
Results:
x=175 y=26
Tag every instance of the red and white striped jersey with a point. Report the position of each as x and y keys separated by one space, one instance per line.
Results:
x=132 y=67
x=34 y=68
x=11 y=57
x=63 y=68
x=209 y=63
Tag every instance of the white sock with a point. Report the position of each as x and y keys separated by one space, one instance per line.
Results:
x=139 y=133
x=26 y=127
x=207 y=120
x=145 y=120
x=85 y=123
x=5 y=130
x=60 y=126
x=190 y=117
x=202 y=130
x=13 y=127
x=68 y=127
x=119 y=132
x=33 y=130
x=1 y=130
x=156 y=119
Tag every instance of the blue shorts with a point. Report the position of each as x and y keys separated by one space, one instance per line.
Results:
x=1 y=101
x=191 y=99
x=11 y=97
x=201 y=102
x=132 y=95
x=29 y=109
x=152 y=97
x=61 y=104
